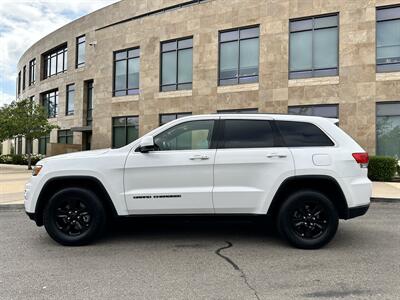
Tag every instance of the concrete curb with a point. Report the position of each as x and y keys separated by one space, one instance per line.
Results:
x=10 y=207
x=385 y=200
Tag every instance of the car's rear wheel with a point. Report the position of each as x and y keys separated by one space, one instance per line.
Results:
x=74 y=217
x=308 y=220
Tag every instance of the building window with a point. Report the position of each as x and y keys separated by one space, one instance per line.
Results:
x=19 y=83
x=326 y=111
x=239 y=111
x=177 y=65
x=166 y=118
x=43 y=141
x=32 y=98
x=388 y=129
x=65 y=137
x=70 y=100
x=314 y=47
x=50 y=103
x=125 y=130
x=388 y=39
x=89 y=102
x=239 y=56
x=55 y=62
x=23 y=77
x=32 y=71
x=126 y=72
x=80 y=51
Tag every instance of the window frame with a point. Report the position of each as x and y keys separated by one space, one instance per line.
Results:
x=253 y=111
x=65 y=133
x=315 y=105
x=176 y=50
x=67 y=98
x=24 y=78
x=56 y=97
x=46 y=140
x=239 y=29
x=89 y=89
x=61 y=50
x=19 y=83
x=32 y=72
x=392 y=67
x=183 y=114
x=311 y=73
x=126 y=131
x=127 y=89
x=376 y=119
x=77 y=44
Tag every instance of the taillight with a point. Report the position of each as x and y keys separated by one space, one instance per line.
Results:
x=362 y=159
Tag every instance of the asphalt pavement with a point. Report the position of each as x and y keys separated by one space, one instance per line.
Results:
x=197 y=259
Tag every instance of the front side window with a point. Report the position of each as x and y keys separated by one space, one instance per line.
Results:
x=70 y=100
x=193 y=135
x=239 y=111
x=388 y=129
x=32 y=71
x=388 y=39
x=166 y=118
x=314 y=47
x=126 y=72
x=247 y=134
x=302 y=134
x=125 y=130
x=80 y=51
x=65 y=137
x=55 y=62
x=177 y=65
x=50 y=103
x=239 y=56
x=326 y=111
x=43 y=141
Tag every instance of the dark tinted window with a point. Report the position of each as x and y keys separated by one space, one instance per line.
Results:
x=301 y=134
x=248 y=134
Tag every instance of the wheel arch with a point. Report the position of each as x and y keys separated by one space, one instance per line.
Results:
x=324 y=184
x=87 y=182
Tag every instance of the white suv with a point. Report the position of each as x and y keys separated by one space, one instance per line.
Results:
x=304 y=172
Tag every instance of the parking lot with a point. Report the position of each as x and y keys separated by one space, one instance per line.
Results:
x=175 y=259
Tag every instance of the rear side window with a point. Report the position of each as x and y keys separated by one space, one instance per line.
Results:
x=247 y=134
x=301 y=134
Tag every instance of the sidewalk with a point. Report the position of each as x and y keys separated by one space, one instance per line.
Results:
x=13 y=179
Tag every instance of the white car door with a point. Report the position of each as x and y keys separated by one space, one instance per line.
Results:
x=177 y=178
x=248 y=167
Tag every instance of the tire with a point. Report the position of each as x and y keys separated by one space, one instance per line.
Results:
x=74 y=217
x=302 y=230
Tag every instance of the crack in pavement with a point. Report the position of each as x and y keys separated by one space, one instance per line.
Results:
x=236 y=267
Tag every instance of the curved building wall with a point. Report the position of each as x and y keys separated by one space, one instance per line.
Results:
x=354 y=90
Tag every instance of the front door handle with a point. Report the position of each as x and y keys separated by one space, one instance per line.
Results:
x=276 y=155
x=199 y=157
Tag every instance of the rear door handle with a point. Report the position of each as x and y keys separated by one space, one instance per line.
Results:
x=199 y=157
x=276 y=155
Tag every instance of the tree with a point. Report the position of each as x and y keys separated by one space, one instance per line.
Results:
x=24 y=118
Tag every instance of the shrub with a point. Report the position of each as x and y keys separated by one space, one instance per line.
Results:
x=382 y=168
x=17 y=159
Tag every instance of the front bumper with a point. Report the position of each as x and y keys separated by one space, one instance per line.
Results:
x=357 y=211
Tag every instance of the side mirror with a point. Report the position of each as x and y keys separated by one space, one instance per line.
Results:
x=146 y=144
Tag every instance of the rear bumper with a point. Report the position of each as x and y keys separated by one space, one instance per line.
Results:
x=357 y=211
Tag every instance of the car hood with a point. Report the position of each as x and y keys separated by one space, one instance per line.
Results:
x=74 y=155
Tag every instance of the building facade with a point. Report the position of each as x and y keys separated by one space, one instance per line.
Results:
x=115 y=74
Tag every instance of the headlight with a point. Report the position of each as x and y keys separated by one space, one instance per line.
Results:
x=36 y=170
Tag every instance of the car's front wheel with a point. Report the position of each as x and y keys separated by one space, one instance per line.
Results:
x=74 y=216
x=308 y=220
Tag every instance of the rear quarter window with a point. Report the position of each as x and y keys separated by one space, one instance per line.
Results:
x=303 y=134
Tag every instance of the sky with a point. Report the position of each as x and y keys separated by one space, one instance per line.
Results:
x=24 y=22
